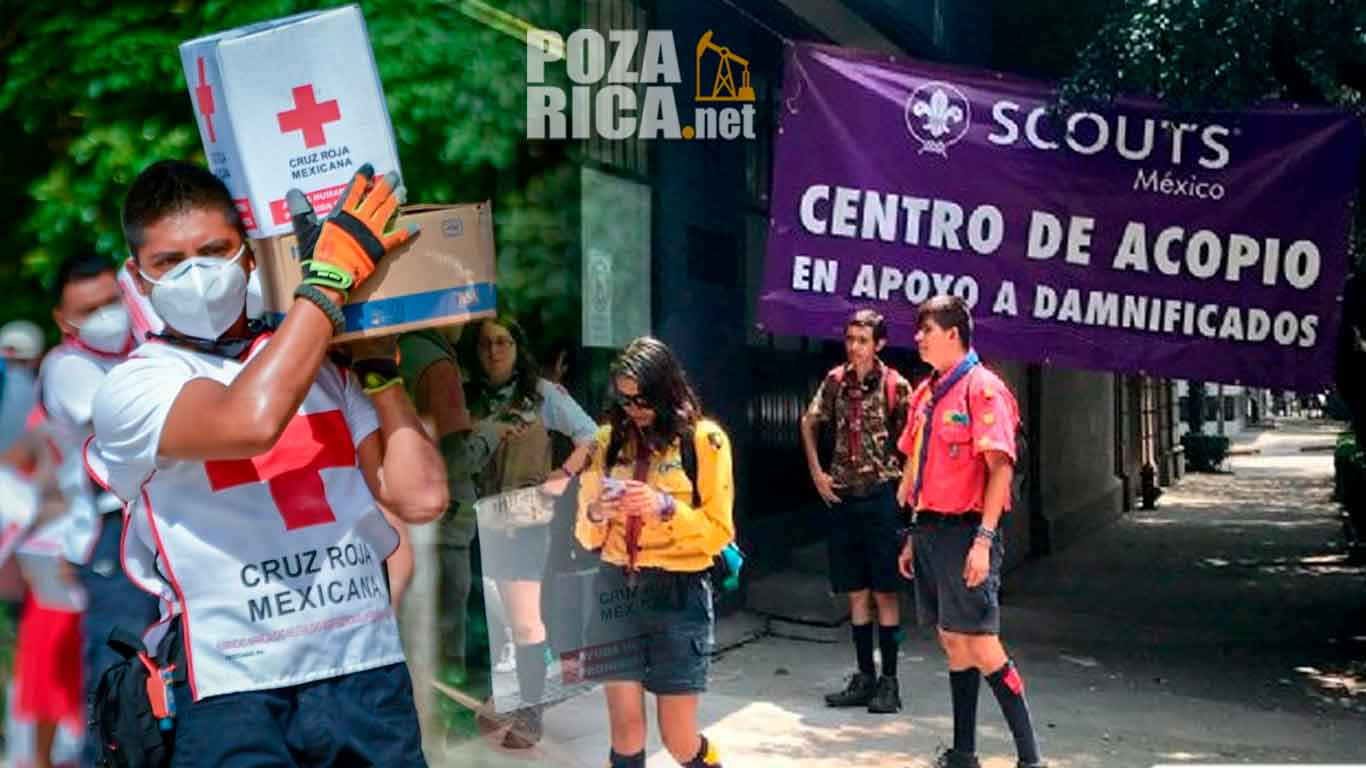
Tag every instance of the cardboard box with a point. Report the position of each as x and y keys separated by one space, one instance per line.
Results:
x=443 y=276
x=294 y=102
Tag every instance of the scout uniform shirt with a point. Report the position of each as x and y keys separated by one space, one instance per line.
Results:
x=685 y=543
x=273 y=563
x=864 y=424
x=977 y=414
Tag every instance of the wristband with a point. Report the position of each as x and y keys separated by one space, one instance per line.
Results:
x=311 y=293
x=325 y=275
x=373 y=383
x=987 y=534
x=376 y=374
x=667 y=508
x=571 y=473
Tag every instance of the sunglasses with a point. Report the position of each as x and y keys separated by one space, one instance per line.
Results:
x=635 y=401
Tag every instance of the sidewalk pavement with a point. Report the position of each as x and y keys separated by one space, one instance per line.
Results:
x=1225 y=626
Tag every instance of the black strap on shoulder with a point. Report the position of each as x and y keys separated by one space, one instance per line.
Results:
x=688 y=453
x=360 y=233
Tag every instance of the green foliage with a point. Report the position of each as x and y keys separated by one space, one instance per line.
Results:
x=1204 y=453
x=1228 y=53
x=90 y=95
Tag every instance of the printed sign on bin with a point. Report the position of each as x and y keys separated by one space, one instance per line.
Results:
x=294 y=102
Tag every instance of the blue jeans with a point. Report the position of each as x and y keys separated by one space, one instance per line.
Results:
x=361 y=719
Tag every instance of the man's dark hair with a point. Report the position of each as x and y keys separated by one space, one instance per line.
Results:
x=81 y=266
x=870 y=319
x=168 y=187
x=947 y=312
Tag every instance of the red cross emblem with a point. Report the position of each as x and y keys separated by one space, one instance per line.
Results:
x=309 y=116
x=203 y=97
x=292 y=468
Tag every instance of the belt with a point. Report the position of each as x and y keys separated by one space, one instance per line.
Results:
x=930 y=518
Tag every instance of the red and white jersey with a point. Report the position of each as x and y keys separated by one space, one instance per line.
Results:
x=274 y=563
x=67 y=381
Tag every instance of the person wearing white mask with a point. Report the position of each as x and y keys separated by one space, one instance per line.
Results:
x=89 y=311
x=21 y=348
x=254 y=469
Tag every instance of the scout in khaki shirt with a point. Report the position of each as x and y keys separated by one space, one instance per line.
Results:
x=865 y=400
x=960 y=457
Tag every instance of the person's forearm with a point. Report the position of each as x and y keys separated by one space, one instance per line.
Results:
x=582 y=456
x=813 y=462
x=996 y=495
x=412 y=476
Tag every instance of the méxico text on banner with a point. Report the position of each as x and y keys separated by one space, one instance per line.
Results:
x=1128 y=237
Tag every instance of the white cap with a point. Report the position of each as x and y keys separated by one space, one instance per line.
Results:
x=21 y=339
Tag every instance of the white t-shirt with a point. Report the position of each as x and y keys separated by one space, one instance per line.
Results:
x=68 y=380
x=274 y=563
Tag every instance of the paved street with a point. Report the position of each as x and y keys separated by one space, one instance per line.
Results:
x=1225 y=626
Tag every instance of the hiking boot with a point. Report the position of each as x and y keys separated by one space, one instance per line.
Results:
x=887 y=698
x=952 y=758
x=861 y=689
x=526 y=729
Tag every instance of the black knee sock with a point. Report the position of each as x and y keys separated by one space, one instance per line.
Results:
x=887 y=643
x=531 y=672
x=863 y=647
x=706 y=757
x=615 y=760
x=1009 y=688
x=965 y=684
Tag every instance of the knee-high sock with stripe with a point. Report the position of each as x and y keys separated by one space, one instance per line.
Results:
x=1009 y=688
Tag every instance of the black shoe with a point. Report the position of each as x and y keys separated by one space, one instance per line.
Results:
x=887 y=699
x=952 y=758
x=861 y=689
x=526 y=729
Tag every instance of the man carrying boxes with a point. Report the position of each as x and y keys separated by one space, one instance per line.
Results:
x=253 y=470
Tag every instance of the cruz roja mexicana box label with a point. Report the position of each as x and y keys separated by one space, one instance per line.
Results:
x=626 y=85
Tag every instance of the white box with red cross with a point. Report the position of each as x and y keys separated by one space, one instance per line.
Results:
x=293 y=102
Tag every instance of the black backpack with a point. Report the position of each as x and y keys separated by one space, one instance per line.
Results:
x=128 y=733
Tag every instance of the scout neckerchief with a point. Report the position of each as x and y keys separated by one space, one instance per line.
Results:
x=937 y=393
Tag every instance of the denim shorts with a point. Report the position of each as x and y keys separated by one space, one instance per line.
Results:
x=942 y=597
x=657 y=629
x=361 y=719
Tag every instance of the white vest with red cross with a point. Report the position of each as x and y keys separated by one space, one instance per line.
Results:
x=274 y=563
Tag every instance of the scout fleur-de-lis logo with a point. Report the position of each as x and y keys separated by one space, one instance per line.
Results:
x=938 y=116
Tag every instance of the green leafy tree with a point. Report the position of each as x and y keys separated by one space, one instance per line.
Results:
x=90 y=95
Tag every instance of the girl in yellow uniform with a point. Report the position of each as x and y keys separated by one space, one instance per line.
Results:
x=658 y=534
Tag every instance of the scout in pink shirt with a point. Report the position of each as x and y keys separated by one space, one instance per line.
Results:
x=959 y=443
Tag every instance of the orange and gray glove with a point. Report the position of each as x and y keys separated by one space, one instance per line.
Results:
x=341 y=252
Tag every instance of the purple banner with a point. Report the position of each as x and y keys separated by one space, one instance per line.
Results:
x=1132 y=238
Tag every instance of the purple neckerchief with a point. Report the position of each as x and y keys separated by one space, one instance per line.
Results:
x=937 y=393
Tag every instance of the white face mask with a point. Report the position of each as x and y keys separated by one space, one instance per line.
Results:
x=201 y=296
x=256 y=307
x=106 y=329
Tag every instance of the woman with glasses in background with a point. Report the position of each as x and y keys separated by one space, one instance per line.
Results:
x=657 y=505
x=514 y=411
